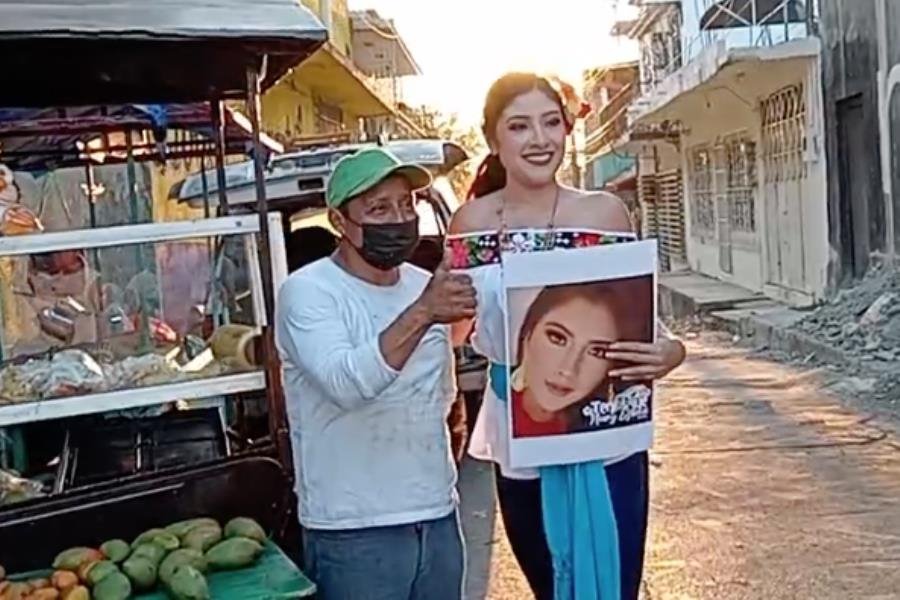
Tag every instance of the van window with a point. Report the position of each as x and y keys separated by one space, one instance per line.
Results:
x=428 y=223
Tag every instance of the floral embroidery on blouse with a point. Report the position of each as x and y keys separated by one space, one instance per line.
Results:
x=476 y=250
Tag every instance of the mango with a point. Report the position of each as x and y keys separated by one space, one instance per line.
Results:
x=147 y=536
x=101 y=571
x=47 y=593
x=202 y=537
x=2 y=573
x=181 y=528
x=151 y=551
x=160 y=537
x=233 y=553
x=244 y=527
x=85 y=569
x=39 y=583
x=63 y=580
x=71 y=559
x=115 y=550
x=183 y=556
x=187 y=583
x=113 y=587
x=79 y=592
x=141 y=571
x=16 y=591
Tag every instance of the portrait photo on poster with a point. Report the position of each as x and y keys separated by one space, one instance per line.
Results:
x=564 y=309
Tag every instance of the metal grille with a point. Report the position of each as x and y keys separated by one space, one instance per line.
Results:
x=740 y=181
x=703 y=211
x=784 y=134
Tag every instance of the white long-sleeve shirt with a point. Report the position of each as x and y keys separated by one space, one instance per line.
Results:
x=371 y=445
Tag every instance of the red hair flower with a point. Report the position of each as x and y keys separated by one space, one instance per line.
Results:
x=573 y=106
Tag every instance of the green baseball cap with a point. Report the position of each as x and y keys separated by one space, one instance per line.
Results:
x=360 y=172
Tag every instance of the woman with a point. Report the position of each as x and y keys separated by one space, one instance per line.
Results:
x=562 y=367
x=516 y=205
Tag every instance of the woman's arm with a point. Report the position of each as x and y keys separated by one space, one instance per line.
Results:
x=648 y=360
x=463 y=221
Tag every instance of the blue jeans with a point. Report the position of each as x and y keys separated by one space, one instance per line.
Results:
x=418 y=561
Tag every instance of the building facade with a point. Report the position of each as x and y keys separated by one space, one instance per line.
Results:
x=861 y=61
x=350 y=89
x=728 y=131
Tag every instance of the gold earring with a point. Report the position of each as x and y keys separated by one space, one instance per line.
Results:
x=518 y=381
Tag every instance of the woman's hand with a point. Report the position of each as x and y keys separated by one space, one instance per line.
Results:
x=648 y=361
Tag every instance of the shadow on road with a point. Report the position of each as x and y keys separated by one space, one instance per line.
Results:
x=477 y=511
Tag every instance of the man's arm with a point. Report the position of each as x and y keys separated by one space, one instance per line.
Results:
x=312 y=336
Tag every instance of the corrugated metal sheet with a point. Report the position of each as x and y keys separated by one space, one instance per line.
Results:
x=77 y=52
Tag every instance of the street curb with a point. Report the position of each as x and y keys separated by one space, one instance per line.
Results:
x=781 y=339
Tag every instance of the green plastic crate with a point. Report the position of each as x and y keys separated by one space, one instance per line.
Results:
x=273 y=577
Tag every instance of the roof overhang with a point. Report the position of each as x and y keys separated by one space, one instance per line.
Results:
x=79 y=52
x=371 y=30
x=661 y=103
x=334 y=78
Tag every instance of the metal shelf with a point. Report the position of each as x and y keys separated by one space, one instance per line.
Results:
x=43 y=410
x=105 y=237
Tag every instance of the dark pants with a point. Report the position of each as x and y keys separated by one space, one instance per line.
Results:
x=520 y=504
x=420 y=561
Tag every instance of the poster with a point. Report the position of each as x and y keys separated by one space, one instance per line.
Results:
x=564 y=309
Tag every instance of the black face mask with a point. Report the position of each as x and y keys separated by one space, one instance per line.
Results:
x=388 y=245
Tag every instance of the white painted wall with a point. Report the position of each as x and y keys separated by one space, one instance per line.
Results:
x=728 y=104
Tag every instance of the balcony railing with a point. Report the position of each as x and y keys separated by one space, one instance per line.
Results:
x=748 y=24
x=609 y=123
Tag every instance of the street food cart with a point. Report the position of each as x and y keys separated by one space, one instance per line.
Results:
x=89 y=85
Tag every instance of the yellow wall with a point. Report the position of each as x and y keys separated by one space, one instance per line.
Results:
x=341 y=30
x=341 y=33
x=162 y=181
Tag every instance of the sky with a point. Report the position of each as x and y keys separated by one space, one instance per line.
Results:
x=464 y=45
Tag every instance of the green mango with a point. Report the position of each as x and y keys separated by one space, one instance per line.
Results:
x=181 y=528
x=160 y=537
x=233 y=553
x=187 y=583
x=151 y=551
x=147 y=536
x=112 y=587
x=244 y=527
x=142 y=571
x=116 y=550
x=101 y=571
x=202 y=537
x=183 y=556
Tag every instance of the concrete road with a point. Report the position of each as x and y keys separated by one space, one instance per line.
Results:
x=765 y=486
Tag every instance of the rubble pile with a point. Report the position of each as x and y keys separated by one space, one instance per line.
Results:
x=863 y=320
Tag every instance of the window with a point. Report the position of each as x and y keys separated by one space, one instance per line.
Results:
x=740 y=180
x=703 y=212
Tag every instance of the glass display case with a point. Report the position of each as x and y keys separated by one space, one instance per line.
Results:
x=129 y=317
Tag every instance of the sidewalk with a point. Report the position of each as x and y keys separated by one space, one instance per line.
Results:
x=747 y=314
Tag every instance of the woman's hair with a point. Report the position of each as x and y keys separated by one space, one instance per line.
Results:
x=491 y=175
x=595 y=292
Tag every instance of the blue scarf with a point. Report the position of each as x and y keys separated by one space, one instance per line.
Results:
x=579 y=523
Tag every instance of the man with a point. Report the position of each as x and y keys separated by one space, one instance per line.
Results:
x=368 y=377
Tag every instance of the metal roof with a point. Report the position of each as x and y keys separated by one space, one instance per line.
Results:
x=92 y=51
x=41 y=139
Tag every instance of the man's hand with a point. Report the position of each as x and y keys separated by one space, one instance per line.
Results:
x=449 y=297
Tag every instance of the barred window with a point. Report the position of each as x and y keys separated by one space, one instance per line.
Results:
x=741 y=181
x=703 y=212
